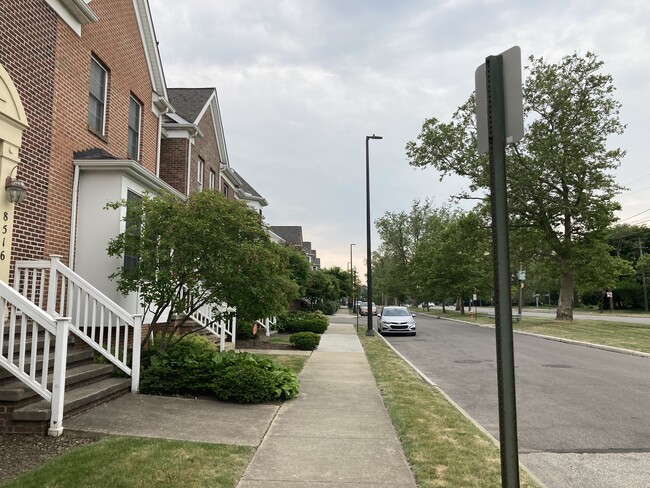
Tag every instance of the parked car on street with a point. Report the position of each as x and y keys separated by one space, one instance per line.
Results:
x=363 y=310
x=396 y=320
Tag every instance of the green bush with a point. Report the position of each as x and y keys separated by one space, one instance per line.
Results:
x=303 y=322
x=245 y=331
x=246 y=378
x=244 y=383
x=186 y=367
x=328 y=307
x=305 y=341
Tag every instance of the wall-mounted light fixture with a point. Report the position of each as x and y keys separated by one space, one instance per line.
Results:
x=16 y=188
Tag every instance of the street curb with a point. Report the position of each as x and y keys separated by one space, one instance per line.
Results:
x=619 y=350
x=456 y=406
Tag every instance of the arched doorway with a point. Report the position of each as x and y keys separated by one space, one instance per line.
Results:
x=12 y=124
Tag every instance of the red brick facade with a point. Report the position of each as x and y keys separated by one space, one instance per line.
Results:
x=50 y=66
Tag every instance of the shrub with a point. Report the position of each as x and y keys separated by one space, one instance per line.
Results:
x=328 y=307
x=244 y=383
x=305 y=341
x=245 y=378
x=303 y=322
x=186 y=367
x=245 y=331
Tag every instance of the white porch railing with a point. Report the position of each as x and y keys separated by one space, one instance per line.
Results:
x=223 y=329
x=266 y=324
x=32 y=329
x=94 y=318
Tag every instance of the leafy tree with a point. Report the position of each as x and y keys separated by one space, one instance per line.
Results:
x=453 y=260
x=400 y=234
x=560 y=180
x=342 y=279
x=205 y=251
x=299 y=267
x=321 y=287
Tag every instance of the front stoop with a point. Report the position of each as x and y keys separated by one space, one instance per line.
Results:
x=22 y=411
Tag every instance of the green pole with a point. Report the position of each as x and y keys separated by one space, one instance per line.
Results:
x=503 y=305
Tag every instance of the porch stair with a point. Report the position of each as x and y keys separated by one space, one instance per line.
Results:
x=87 y=384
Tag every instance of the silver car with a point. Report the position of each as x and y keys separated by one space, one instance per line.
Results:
x=396 y=320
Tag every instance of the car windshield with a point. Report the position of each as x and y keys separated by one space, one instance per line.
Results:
x=396 y=312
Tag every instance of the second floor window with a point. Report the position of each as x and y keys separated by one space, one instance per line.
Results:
x=97 y=97
x=199 y=175
x=225 y=190
x=135 y=111
x=213 y=179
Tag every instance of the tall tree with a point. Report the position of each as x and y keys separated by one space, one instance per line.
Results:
x=205 y=251
x=560 y=179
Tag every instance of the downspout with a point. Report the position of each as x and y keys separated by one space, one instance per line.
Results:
x=159 y=144
x=189 y=165
x=73 y=218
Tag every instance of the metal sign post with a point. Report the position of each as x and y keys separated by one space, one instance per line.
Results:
x=502 y=127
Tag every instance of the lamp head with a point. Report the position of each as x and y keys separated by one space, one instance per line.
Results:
x=374 y=137
x=16 y=189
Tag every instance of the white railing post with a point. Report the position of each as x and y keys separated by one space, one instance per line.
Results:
x=234 y=329
x=222 y=335
x=52 y=286
x=58 y=382
x=135 y=357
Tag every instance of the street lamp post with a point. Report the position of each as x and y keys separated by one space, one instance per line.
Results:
x=351 y=279
x=370 y=331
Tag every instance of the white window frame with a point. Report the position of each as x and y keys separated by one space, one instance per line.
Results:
x=212 y=180
x=91 y=96
x=134 y=130
x=199 y=174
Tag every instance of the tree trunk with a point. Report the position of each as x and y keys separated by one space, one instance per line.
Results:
x=565 y=302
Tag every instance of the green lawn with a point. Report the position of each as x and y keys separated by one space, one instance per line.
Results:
x=293 y=362
x=124 y=462
x=443 y=448
x=616 y=334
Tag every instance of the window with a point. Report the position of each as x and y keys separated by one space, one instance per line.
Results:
x=225 y=190
x=132 y=231
x=213 y=179
x=97 y=97
x=135 y=110
x=199 y=175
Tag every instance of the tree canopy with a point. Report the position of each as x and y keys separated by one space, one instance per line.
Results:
x=207 y=250
x=560 y=176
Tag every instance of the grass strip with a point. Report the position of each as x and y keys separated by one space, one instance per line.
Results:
x=126 y=462
x=294 y=362
x=607 y=333
x=443 y=447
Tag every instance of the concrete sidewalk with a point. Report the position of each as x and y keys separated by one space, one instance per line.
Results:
x=337 y=432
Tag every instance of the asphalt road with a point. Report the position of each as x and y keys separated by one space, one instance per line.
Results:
x=583 y=414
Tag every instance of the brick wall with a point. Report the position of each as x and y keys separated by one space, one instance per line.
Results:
x=50 y=66
x=173 y=163
x=28 y=31
x=207 y=149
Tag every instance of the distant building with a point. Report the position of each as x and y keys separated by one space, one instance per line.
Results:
x=292 y=234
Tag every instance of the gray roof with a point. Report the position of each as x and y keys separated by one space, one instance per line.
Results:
x=246 y=186
x=189 y=102
x=306 y=246
x=290 y=233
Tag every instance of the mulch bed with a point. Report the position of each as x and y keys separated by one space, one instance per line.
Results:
x=22 y=453
x=262 y=343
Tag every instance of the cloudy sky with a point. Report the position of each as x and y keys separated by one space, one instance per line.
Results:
x=301 y=83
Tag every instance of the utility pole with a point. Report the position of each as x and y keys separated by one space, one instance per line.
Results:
x=645 y=289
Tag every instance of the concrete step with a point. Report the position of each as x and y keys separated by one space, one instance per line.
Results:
x=39 y=343
x=74 y=355
x=16 y=390
x=74 y=399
